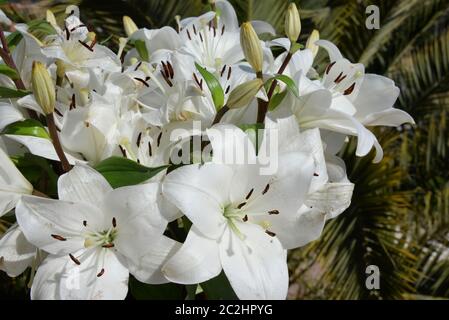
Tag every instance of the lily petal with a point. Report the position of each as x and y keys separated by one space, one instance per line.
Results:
x=195 y=262
x=255 y=267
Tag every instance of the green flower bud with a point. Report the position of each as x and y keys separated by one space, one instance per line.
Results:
x=292 y=23
x=251 y=46
x=314 y=36
x=43 y=87
x=244 y=93
x=130 y=26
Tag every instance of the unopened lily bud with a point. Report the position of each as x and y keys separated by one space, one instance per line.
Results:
x=251 y=46
x=244 y=93
x=292 y=23
x=314 y=36
x=50 y=17
x=130 y=26
x=43 y=87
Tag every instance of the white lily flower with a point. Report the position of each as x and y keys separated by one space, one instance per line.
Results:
x=73 y=46
x=12 y=184
x=95 y=237
x=174 y=93
x=234 y=209
x=330 y=190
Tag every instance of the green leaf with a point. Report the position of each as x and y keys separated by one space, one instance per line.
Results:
x=289 y=82
x=28 y=127
x=124 y=172
x=38 y=171
x=13 y=39
x=9 y=72
x=41 y=28
x=276 y=99
x=12 y=93
x=214 y=86
x=168 y=291
x=142 y=49
x=218 y=288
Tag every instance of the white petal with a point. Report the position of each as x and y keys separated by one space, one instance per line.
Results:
x=146 y=266
x=255 y=267
x=392 y=117
x=83 y=283
x=59 y=278
x=8 y=114
x=40 y=218
x=263 y=27
x=231 y=145
x=228 y=17
x=196 y=261
x=200 y=192
x=135 y=202
x=332 y=199
x=12 y=184
x=83 y=184
x=332 y=50
x=42 y=147
x=16 y=253
x=47 y=277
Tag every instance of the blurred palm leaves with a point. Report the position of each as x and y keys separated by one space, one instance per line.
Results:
x=399 y=216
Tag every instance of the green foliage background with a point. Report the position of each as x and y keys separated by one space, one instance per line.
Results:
x=399 y=216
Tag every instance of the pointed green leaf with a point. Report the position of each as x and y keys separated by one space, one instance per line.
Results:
x=28 y=127
x=124 y=172
x=7 y=93
x=289 y=82
x=142 y=49
x=9 y=72
x=214 y=86
x=276 y=99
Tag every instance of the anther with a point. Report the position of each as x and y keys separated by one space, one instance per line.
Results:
x=349 y=90
x=240 y=206
x=227 y=89
x=170 y=70
x=222 y=30
x=138 y=66
x=100 y=273
x=142 y=81
x=194 y=29
x=329 y=67
x=188 y=34
x=222 y=71
x=201 y=37
x=75 y=260
x=316 y=174
x=58 y=237
x=72 y=103
x=245 y=218
x=273 y=212
x=86 y=46
x=139 y=138
x=339 y=78
x=229 y=73
x=249 y=194
x=123 y=151
x=159 y=139
x=267 y=187
x=108 y=245
x=85 y=223
x=150 y=152
x=271 y=234
x=114 y=222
